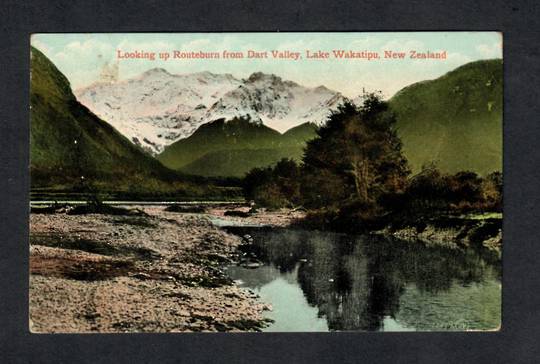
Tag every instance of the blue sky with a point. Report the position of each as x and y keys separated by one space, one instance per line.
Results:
x=81 y=56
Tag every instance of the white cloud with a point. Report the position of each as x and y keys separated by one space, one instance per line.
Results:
x=131 y=46
x=403 y=46
x=35 y=42
x=88 y=50
x=363 y=42
x=456 y=58
x=493 y=50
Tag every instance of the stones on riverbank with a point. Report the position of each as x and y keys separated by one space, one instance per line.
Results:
x=453 y=233
x=86 y=208
x=49 y=209
x=246 y=324
x=103 y=209
x=257 y=217
x=152 y=273
x=185 y=209
x=250 y=263
x=237 y=213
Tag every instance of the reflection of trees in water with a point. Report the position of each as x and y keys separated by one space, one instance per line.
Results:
x=281 y=247
x=257 y=278
x=357 y=281
x=431 y=269
x=457 y=308
x=337 y=284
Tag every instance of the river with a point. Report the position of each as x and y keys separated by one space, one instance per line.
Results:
x=321 y=281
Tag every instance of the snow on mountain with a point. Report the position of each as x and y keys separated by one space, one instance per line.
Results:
x=158 y=108
x=278 y=104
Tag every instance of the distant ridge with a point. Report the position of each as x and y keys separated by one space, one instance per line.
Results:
x=232 y=148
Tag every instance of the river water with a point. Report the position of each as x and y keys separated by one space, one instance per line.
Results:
x=321 y=281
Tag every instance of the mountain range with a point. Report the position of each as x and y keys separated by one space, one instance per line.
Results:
x=454 y=121
x=217 y=125
x=158 y=108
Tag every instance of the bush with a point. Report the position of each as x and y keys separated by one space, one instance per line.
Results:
x=432 y=192
x=274 y=187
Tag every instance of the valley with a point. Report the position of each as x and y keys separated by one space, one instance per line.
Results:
x=162 y=203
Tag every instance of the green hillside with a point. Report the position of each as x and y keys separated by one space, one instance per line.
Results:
x=300 y=134
x=232 y=148
x=455 y=120
x=237 y=162
x=68 y=142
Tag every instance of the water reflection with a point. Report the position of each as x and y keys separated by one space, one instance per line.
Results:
x=328 y=281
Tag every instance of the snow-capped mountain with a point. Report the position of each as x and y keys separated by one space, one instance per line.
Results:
x=278 y=104
x=158 y=108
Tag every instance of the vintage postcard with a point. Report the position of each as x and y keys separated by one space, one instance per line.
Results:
x=285 y=182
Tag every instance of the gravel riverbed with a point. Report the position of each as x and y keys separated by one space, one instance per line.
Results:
x=157 y=272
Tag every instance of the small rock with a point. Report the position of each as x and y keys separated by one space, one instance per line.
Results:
x=267 y=307
x=141 y=275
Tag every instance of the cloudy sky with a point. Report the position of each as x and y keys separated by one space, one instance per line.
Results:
x=81 y=56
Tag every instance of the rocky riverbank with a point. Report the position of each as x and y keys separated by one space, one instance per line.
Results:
x=158 y=269
x=261 y=216
x=153 y=271
x=452 y=232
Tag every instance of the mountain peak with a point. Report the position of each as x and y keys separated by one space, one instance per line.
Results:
x=260 y=76
x=57 y=119
x=269 y=78
x=322 y=88
x=156 y=71
x=454 y=120
x=206 y=74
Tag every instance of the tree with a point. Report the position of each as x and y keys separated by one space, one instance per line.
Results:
x=432 y=192
x=428 y=191
x=277 y=186
x=254 y=179
x=286 y=174
x=356 y=157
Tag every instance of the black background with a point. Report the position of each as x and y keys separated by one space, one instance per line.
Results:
x=517 y=342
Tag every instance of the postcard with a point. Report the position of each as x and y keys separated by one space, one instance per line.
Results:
x=265 y=182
